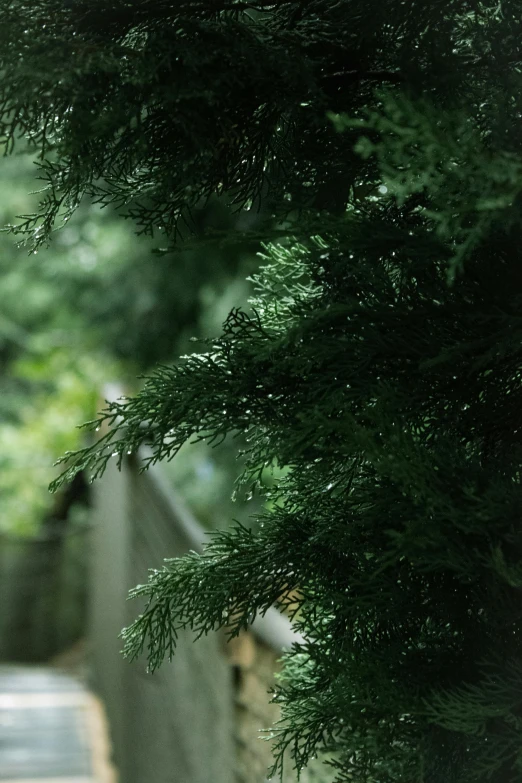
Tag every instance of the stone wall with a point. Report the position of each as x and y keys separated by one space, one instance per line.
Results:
x=255 y=666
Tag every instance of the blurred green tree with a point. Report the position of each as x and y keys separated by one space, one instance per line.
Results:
x=379 y=364
x=94 y=307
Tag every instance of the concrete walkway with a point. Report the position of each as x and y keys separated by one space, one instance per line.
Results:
x=52 y=729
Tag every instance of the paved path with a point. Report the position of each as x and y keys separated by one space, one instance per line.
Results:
x=51 y=729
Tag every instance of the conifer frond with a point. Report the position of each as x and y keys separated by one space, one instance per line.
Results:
x=392 y=399
x=401 y=584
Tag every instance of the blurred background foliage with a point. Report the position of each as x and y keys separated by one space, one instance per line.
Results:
x=100 y=305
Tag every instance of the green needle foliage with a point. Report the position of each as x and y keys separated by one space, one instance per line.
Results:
x=380 y=363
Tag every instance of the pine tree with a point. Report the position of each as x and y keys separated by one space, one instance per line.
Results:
x=380 y=362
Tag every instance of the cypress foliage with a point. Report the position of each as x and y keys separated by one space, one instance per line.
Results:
x=380 y=362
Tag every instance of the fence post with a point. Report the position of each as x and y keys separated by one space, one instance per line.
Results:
x=110 y=581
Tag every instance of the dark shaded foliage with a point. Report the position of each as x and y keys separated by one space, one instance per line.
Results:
x=381 y=360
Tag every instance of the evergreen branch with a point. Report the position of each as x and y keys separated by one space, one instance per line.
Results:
x=391 y=400
x=209 y=591
x=379 y=76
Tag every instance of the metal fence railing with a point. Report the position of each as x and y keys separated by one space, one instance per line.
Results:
x=43 y=593
x=198 y=718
